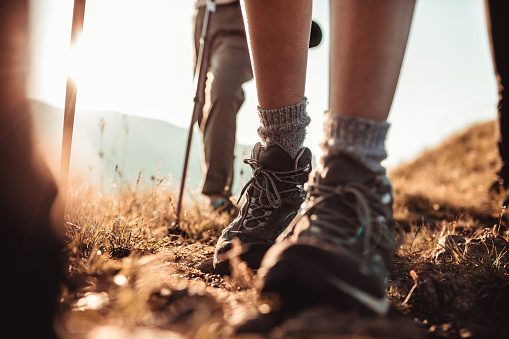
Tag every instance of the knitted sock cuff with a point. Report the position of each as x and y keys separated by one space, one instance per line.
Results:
x=361 y=138
x=284 y=126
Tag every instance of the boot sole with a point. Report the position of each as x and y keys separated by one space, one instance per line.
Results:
x=300 y=277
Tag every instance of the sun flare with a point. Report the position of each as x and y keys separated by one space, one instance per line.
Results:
x=77 y=60
x=130 y=58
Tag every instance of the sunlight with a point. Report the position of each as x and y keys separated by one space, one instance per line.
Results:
x=92 y=301
x=76 y=60
x=130 y=58
x=138 y=60
x=86 y=67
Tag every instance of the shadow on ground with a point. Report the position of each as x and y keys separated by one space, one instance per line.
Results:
x=417 y=209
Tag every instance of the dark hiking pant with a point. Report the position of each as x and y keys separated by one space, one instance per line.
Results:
x=498 y=16
x=229 y=68
x=30 y=250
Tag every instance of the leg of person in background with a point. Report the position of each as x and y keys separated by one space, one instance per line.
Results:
x=280 y=163
x=498 y=27
x=338 y=249
x=229 y=68
x=30 y=250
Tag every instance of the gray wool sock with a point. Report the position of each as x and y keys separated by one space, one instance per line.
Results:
x=284 y=126
x=362 y=139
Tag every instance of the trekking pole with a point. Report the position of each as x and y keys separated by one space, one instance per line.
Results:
x=78 y=18
x=202 y=63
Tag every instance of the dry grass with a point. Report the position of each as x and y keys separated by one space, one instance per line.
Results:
x=450 y=181
x=455 y=251
x=128 y=278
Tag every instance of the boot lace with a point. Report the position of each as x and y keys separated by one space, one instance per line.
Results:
x=268 y=184
x=356 y=212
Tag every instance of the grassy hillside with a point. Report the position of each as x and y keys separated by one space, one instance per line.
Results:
x=452 y=180
x=129 y=279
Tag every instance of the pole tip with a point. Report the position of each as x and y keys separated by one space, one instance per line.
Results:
x=176 y=230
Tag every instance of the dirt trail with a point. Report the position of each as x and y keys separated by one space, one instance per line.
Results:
x=128 y=279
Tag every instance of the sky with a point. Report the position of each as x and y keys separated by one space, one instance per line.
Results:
x=136 y=57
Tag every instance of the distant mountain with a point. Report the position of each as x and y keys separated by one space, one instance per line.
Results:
x=104 y=141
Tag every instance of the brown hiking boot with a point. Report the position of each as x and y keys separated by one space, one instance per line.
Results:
x=273 y=197
x=338 y=249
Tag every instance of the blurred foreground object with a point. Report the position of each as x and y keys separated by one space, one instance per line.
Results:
x=70 y=103
x=498 y=27
x=30 y=249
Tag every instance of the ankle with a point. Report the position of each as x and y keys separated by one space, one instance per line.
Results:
x=284 y=126
x=359 y=138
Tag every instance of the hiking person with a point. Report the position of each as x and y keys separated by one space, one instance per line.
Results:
x=338 y=248
x=498 y=26
x=229 y=68
x=30 y=251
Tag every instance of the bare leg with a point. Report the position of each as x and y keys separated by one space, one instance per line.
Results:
x=496 y=12
x=278 y=36
x=367 y=46
x=278 y=41
x=342 y=233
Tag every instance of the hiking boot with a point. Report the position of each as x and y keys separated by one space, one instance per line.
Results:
x=273 y=197
x=338 y=249
x=224 y=205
